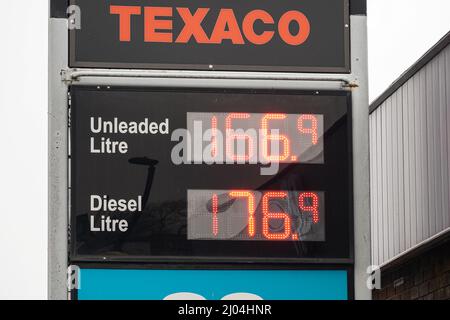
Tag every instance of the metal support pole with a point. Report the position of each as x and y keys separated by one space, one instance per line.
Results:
x=361 y=177
x=58 y=162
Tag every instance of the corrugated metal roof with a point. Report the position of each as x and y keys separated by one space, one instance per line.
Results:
x=433 y=52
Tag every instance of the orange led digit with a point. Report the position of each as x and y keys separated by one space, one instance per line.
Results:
x=214 y=136
x=215 y=221
x=267 y=216
x=251 y=208
x=268 y=137
x=312 y=130
x=314 y=208
x=231 y=137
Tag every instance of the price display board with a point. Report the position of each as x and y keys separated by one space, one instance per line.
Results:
x=196 y=174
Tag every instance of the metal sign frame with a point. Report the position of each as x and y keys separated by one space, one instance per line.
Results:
x=61 y=77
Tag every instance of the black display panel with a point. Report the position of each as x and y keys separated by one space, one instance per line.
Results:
x=264 y=35
x=140 y=192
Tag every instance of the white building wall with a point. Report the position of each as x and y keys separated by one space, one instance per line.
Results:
x=410 y=168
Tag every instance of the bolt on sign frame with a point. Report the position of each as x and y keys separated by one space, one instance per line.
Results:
x=76 y=66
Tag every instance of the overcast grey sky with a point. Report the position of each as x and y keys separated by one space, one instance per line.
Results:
x=400 y=31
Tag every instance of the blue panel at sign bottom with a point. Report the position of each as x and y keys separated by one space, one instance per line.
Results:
x=102 y=284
